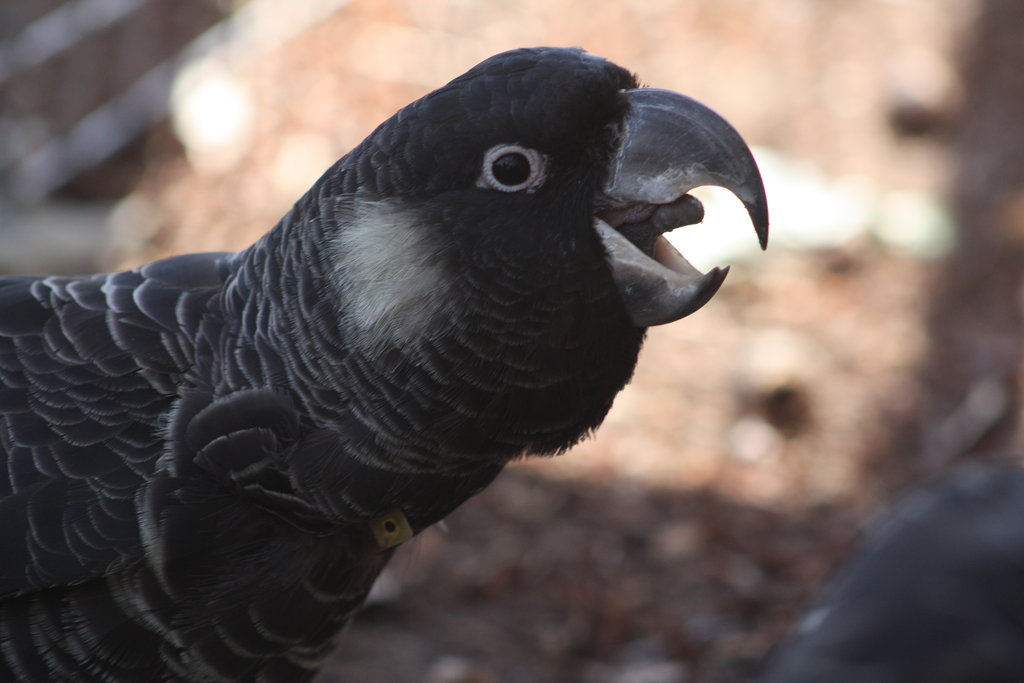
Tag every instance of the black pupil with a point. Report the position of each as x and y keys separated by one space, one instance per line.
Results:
x=511 y=169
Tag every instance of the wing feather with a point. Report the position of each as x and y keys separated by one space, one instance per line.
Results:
x=81 y=421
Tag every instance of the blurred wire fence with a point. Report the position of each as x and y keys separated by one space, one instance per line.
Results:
x=81 y=79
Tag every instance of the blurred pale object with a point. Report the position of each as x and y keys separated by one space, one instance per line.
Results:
x=212 y=114
x=914 y=223
x=809 y=210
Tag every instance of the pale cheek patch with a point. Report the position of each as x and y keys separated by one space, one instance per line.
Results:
x=391 y=275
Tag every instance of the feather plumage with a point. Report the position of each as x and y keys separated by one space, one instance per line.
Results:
x=193 y=450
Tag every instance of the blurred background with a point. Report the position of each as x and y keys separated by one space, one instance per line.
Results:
x=875 y=345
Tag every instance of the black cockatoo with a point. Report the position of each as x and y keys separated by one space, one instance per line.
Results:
x=207 y=460
x=936 y=595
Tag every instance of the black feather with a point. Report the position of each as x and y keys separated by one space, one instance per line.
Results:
x=935 y=594
x=193 y=451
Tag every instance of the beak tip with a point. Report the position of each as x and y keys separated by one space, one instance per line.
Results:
x=758 y=211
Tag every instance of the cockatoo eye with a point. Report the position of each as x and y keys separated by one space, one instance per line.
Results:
x=512 y=168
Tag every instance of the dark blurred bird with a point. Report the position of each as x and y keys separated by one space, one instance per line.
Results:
x=936 y=595
x=207 y=460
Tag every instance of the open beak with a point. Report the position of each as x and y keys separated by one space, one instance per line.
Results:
x=669 y=145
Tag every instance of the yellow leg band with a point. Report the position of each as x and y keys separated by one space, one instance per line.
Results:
x=391 y=529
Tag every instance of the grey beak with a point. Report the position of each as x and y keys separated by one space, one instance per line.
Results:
x=669 y=145
x=672 y=143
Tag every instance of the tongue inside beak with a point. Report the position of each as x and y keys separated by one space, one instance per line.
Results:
x=669 y=145
x=660 y=287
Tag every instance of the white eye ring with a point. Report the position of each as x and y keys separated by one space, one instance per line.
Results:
x=535 y=171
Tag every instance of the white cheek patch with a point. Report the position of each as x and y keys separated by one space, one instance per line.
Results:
x=391 y=274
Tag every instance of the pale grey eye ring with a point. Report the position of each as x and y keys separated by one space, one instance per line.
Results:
x=534 y=179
